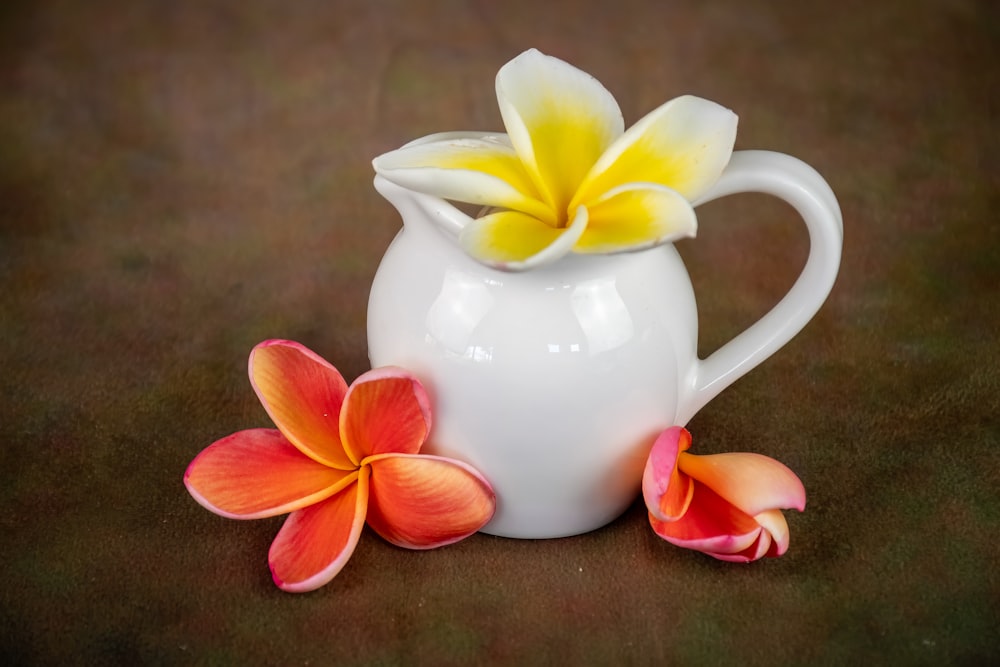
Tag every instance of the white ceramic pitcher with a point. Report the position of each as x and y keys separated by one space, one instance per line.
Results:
x=555 y=382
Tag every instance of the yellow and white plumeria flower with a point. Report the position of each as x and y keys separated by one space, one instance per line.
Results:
x=567 y=176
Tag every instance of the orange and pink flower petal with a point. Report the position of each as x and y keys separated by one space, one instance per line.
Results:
x=386 y=410
x=303 y=395
x=316 y=542
x=257 y=473
x=422 y=502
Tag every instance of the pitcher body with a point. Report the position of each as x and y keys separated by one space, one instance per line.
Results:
x=553 y=382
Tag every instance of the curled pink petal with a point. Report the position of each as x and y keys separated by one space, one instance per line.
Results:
x=667 y=491
x=773 y=522
x=755 y=551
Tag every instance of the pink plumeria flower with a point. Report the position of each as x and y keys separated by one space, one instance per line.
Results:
x=340 y=456
x=725 y=505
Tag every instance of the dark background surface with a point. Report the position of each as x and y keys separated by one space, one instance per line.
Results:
x=179 y=181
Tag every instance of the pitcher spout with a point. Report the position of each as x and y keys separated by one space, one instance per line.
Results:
x=414 y=206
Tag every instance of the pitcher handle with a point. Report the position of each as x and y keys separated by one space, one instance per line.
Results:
x=797 y=183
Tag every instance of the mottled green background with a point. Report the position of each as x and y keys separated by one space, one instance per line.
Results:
x=179 y=181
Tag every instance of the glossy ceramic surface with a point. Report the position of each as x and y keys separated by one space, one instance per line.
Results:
x=554 y=382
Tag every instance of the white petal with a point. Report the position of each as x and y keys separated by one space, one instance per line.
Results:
x=494 y=137
x=683 y=144
x=635 y=216
x=559 y=119
x=482 y=170
x=511 y=241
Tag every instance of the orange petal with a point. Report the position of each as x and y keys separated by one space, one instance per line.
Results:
x=711 y=524
x=422 y=502
x=752 y=482
x=302 y=393
x=257 y=473
x=666 y=490
x=386 y=410
x=315 y=543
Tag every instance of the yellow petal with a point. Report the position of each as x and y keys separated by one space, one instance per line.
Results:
x=752 y=482
x=635 y=216
x=422 y=502
x=315 y=543
x=560 y=120
x=513 y=241
x=477 y=169
x=683 y=144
